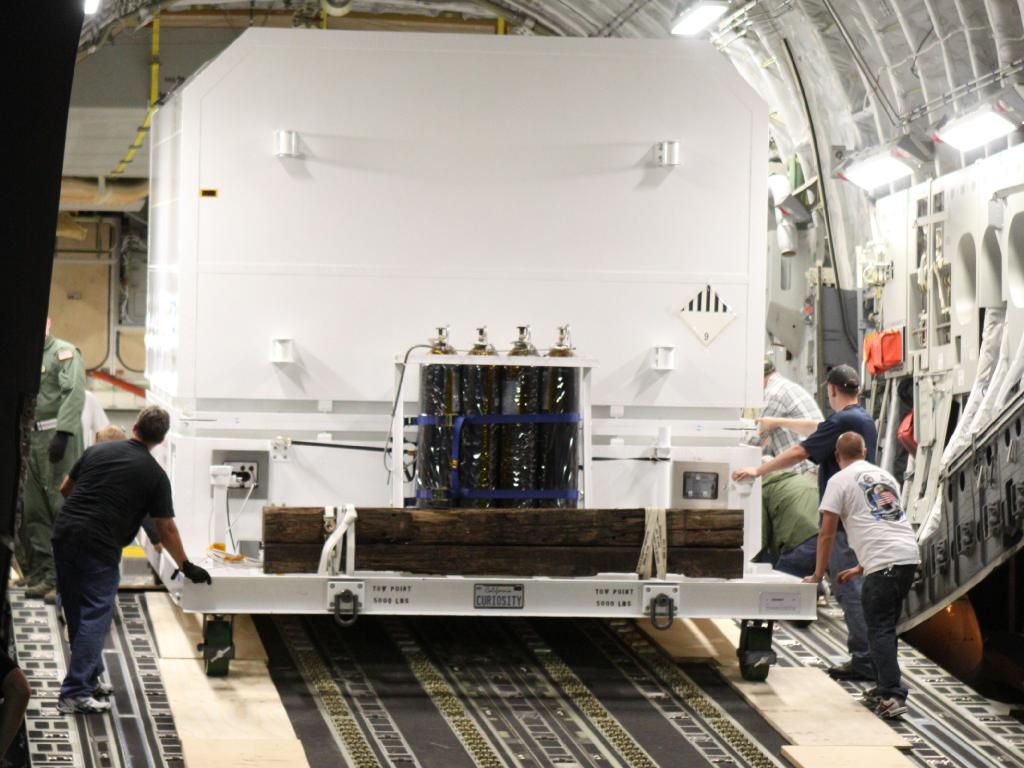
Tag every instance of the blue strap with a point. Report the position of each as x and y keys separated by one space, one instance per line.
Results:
x=504 y=418
x=525 y=493
x=457 y=423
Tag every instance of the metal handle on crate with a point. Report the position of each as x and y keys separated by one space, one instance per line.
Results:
x=346 y=608
x=663 y=611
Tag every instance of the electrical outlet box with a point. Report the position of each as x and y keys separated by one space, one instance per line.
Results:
x=244 y=474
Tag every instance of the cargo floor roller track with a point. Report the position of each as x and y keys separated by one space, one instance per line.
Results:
x=139 y=731
x=505 y=692
x=949 y=724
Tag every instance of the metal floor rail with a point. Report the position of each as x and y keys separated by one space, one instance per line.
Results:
x=949 y=724
x=426 y=692
x=528 y=693
x=139 y=731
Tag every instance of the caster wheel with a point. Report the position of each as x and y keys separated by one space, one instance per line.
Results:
x=757 y=673
x=217 y=648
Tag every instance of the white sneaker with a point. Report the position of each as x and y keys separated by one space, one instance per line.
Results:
x=81 y=705
x=102 y=690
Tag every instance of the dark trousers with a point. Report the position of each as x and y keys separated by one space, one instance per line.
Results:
x=882 y=596
x=801 y=560
x=88 y=590
x=850 y=600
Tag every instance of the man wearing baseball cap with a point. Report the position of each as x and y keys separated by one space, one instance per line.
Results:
x=843 y=385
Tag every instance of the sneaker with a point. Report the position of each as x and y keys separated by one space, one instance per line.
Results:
x=847 y=671
x=891 y=709
x=50 y=598
x=870 y=698
x=81 y=705
x=102 y=690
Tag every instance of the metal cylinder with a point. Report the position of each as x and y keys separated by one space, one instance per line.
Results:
x=558 y=444
x=520 y=394
x=478 y=449
x=439 y=396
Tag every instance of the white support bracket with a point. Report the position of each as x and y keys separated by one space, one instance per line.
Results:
x=330 y=555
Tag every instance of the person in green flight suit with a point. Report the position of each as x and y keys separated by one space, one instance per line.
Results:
x=56 y=444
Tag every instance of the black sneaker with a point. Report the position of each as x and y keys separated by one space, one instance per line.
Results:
x=870 y=698
x=847 y=671
x=82 y=705
x=891 y=708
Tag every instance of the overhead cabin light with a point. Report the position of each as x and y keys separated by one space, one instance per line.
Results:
x=91 y=6
x=878 y=170
x=975 y=130
x=698 y=17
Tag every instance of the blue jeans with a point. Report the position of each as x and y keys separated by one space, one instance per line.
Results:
x=801 y=560
x=883 y=596
x=88 y=590
x=849 y=597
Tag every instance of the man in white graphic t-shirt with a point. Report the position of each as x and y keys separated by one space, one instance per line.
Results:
x=866 y=498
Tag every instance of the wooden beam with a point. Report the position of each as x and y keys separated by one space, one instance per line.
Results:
x=514 y=542
x=293 y=525
x=533 y=527
x=545 y=527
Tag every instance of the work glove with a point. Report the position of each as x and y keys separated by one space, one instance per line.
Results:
x=193 y=573
x=58 y=446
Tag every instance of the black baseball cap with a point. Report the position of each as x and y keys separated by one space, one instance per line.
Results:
x=844 y=378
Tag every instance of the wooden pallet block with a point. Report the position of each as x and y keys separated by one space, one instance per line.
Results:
x=508 y=542
x=697 y=640
x=810 y=709
x=237 y=720
x=846 y=757
x=178 y=633
x=243 y=706
x=266 y=753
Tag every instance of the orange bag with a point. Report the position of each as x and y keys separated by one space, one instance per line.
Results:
x=883 y=351
x=905 y=433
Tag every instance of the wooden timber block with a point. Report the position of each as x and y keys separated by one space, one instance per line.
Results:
x=846 y=757
x=286 y=557
x=293 y=524
x=696 y=639
x=178 y=633
x=507 y=542
x=243 y=706
x=265 y=753
x=810 y=709
x=545 y=527
x=522 y=561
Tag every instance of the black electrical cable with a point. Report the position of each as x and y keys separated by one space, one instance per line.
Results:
x=631 y=458
x=851 y=339
x=343 y=446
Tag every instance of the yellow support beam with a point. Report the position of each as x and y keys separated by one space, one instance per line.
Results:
x=154 y=94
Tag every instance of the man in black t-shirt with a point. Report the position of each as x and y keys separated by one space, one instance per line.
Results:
x=107 y=493
x=819 y=446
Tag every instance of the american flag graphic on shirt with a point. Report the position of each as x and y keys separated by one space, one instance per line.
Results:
x=883 y=500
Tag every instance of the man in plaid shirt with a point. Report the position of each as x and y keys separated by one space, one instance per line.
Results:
x=789 y=498
x=784 y=399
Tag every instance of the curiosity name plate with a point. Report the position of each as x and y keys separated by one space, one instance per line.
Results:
x=498 y=596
